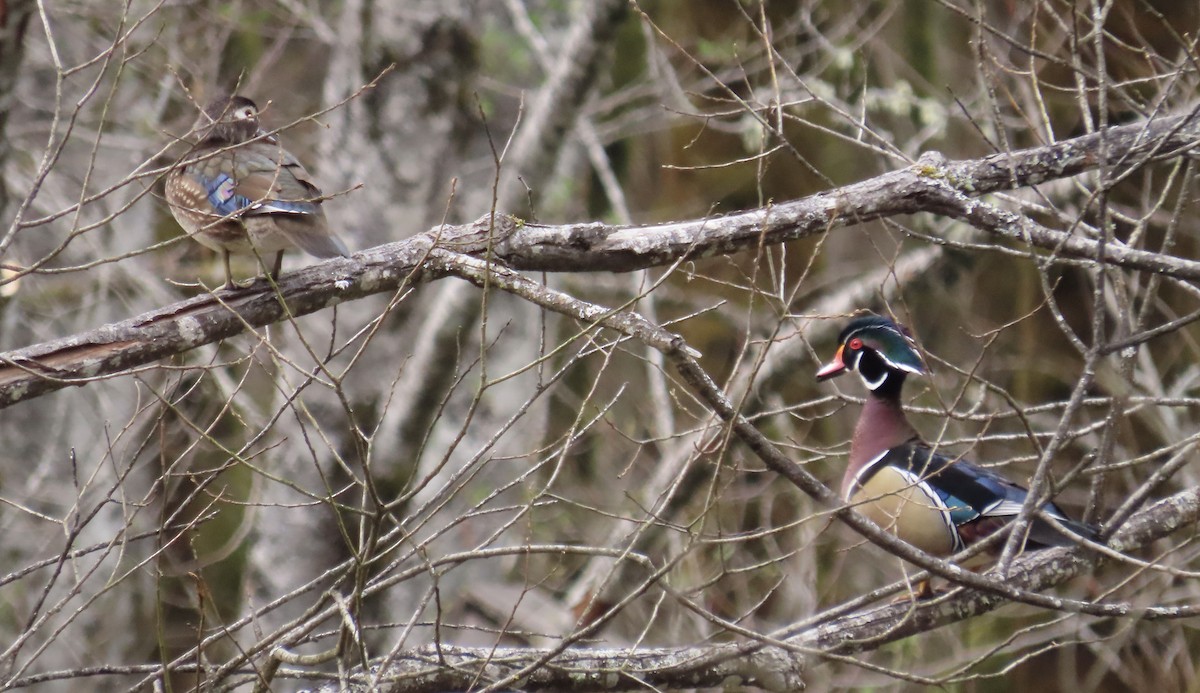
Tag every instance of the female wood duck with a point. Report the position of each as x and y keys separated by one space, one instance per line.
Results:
x=937 y=503
x=240 y=191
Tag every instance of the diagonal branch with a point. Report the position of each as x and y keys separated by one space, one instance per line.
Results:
x=774 y=662
x=931 y=185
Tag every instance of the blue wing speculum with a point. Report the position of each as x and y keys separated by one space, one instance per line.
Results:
x=226 y=202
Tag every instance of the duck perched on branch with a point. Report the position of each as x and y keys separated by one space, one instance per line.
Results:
x=937 y=503
x=240 y=191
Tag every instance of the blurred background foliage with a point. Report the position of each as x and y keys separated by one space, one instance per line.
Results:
x=242 y=474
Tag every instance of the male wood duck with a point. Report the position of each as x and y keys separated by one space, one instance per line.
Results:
x=238 y=190
x=937 y=503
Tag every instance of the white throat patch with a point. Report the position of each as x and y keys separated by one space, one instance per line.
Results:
x=873 y=385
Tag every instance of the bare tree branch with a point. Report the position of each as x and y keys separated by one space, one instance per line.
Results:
x=927 y=186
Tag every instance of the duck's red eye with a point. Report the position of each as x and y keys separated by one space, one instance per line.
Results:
x=855 y=343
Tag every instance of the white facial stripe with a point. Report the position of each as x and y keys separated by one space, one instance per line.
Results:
x=873 y=385
x=900 y=366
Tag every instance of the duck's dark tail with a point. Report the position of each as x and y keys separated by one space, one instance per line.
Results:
x=1043 y=532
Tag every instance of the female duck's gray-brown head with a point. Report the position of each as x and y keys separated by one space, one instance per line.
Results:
x=228 y=120
x=882 y=352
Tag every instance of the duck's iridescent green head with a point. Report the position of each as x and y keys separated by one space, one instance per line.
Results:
x=879 y=349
